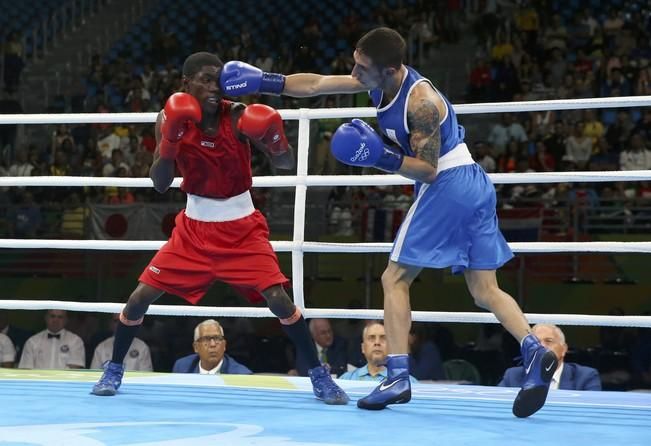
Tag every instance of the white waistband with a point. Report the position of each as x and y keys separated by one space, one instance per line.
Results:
x=459 y=156
x=219 y=209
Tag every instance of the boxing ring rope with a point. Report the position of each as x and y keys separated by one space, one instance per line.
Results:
x=339 y=180
x=301 y=181
x=350 y=112
x=328 y=247
x=330 y=313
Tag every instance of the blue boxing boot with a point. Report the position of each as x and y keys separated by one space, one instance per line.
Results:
x=395 y=389
x=110 y=381
x=325 y=388
x=539 y=365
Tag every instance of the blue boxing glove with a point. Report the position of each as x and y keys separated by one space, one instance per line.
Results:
x=357 y=144
x=239 y=78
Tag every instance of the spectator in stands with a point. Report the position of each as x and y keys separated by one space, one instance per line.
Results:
x=322 y=162
x=554 y=140
x=527 y=22
x=8 y=105
x=341 y=64
x=502 y=49
x=21 y=167
x=480 y=81
x=138 y=98
x=117 y=161
x=508 y=160
x=75 y=215
x=578 y=147
x=514 y=129
x=620 y=131
x=138 y=358
x=643 y=127
x=425 y=361
x=603 y=157
x=568 y=375
x=499 y=135
x=17 y=335
x=60 y=167
x=584 y=86
x=583 y=195
x=25 y=217
x=555 y=35
x=210 y=356
x=637 y=156
x=13 y=61
x=643 y=82
x=264 y=59
x=611 y=26
x=331 y=349
x=107 y=141
x=592 y=127
x=374 y=349
x=542 y=160
x=481 y=153
x=55 y=347
x=556 y=67
x=7 y=351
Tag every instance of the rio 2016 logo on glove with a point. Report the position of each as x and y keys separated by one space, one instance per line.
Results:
x=361 y=154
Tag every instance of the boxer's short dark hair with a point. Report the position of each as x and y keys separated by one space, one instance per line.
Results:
x=384 y=46
x=194 y=62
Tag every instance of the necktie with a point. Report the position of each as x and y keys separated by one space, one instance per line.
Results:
x=50 y=335
x=324 y=356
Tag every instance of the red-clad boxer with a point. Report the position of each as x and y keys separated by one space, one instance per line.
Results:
x=219 y=235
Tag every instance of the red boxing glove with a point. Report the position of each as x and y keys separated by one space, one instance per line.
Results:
x=179 y=109
x=263 y=123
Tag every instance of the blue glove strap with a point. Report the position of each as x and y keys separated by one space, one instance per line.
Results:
x=272 y=83
x=390 y=161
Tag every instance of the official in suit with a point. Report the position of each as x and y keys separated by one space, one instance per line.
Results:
x=568 y=375
x=210 y=356
x=332 y=350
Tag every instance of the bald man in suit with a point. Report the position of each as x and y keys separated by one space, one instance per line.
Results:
x=568 y=375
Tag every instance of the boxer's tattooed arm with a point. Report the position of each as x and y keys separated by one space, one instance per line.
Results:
x=425 y=133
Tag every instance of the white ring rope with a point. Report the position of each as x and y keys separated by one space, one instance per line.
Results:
x=327 y=247
x=327 y=113
x=339 y=180
x=301 y=181
x=330 y=313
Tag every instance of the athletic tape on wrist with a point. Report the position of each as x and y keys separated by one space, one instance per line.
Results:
x=291 y=319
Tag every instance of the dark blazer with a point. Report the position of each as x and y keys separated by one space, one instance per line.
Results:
x=190 y=364
x=574 y=377
x=18 y=336
x=426 y=363
x=337 y=358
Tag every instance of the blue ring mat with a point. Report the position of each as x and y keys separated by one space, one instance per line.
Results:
x=48 y=407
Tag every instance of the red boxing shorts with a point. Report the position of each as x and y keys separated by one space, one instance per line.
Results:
x=236 y=252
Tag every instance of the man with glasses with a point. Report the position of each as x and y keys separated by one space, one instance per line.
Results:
x=210 y=356
x=568 y=375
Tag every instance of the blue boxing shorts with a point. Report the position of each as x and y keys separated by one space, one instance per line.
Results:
x=453 y=223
